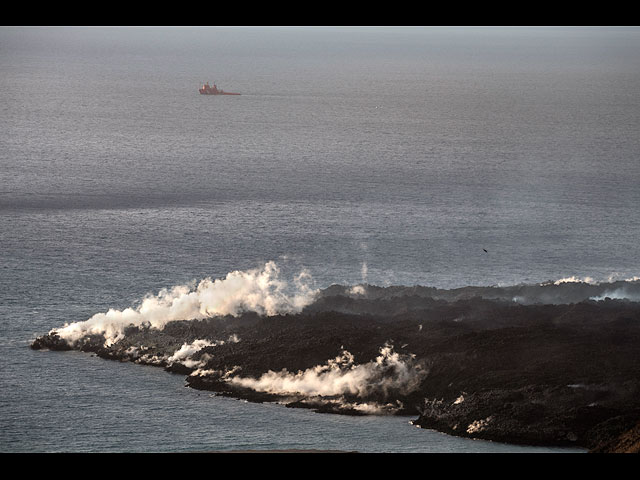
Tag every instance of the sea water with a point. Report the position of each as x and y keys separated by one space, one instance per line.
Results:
x=389 y=156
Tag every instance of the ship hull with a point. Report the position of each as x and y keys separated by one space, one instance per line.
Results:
x=217 y=93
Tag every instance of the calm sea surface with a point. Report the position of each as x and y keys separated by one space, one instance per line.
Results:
x=390 y=156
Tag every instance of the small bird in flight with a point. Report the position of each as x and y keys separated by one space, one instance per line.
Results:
x=485 y=250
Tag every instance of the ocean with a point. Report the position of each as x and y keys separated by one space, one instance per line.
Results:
x=434 y=156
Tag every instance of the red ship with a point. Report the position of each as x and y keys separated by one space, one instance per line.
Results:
x=208 y=90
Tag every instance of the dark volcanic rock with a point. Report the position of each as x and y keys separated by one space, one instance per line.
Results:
x=628 y=441
x=50 y=342
x=555 y=373
x=535 y=415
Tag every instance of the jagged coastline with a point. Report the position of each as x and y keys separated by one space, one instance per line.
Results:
x=550 y=364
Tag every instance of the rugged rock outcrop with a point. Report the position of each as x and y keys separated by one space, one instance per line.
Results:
x=469 y=362
x=626 y=442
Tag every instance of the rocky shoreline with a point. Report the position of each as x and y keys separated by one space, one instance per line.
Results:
x=511 y=364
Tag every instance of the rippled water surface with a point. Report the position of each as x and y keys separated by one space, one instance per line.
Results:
x=387 y=156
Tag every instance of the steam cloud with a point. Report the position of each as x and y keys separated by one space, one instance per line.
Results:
x=574 y=279
x=390 y=371
x=258 y=290
x=618 y=294
x=187 y=350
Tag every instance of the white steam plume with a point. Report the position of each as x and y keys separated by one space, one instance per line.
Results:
x=341 y=376
x=360 y=289
x=187 y=350
x=591 y=281
x=574 y=279
x=357 y=290
x=258 y=290
x=618 y=294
